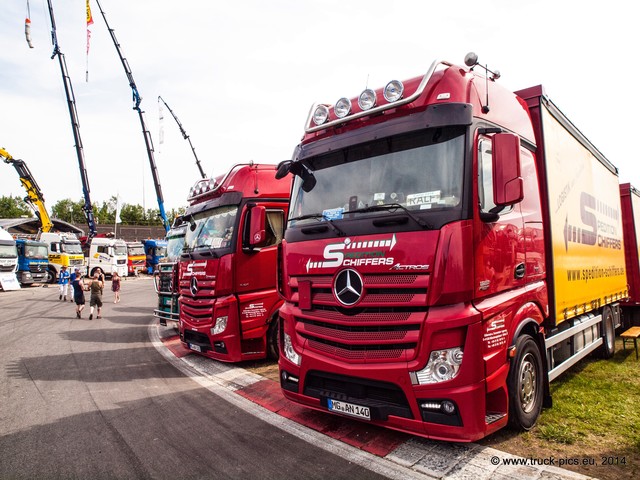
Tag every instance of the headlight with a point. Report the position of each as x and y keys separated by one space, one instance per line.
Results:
x=443 y=365
x=393 y=91
x=342 y=107
x=221 y=324
x=367 y=99
x=289 y=352
x=321 y=114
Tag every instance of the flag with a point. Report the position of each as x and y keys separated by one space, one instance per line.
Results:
x=89 y=22
x=118 y=208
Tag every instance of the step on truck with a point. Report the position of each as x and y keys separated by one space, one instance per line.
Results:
x=451 y=248
x=227 y=271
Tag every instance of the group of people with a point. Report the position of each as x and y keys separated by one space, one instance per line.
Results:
x=80 y=284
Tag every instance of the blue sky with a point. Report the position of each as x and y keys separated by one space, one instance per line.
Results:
x=241 y=77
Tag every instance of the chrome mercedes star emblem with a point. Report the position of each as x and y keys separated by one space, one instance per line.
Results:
x=193 y=286
x=348 y=287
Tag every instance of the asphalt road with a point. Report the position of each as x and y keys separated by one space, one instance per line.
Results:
x=95 y=399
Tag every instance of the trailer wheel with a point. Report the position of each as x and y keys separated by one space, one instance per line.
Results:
x=525 y=384
x=273 y=347
x=608 y=347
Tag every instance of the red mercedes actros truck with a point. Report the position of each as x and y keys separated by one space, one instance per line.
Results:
x=227 y=271
x=451 y=248
x=630 y=203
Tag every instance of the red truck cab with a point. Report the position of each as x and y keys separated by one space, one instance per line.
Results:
x=227 y=271
x=437 y=252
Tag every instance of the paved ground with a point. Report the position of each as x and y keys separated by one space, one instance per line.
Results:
x=120 y=397
x=425 y=458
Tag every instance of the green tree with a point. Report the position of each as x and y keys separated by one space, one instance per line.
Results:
x=14 y=207
x=69 y=211
x=132 y=214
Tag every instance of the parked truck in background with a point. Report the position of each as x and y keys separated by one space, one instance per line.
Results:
x=108 y=254
x=156 y=251
x=451 y=248
x=166 y=276
x=136 y=259
x=8 y=261
x=630 y=203
x=33 y=261
x=64 y=249
x=227 y=272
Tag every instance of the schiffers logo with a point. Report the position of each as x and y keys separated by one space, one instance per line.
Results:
x=348 y=287
x=353 y=253
x=191 y=270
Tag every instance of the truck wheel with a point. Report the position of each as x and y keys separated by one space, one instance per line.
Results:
x=273 y=348
x=525 y=384
x=608 y=347
x=50 y=276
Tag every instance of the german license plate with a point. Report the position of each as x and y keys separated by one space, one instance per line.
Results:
x=196 y=348
x=349 y=409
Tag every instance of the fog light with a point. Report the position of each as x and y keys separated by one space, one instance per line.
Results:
x=321 y=114
x=289 y=352
x=448 y=407
x=367 y=99
x=220 y=326
x=393 y=91
x=342 y=107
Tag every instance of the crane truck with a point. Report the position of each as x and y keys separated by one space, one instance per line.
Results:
x=227 y=272
x=451 y=248
x=33 y=262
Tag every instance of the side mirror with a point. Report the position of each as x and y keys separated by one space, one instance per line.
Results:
x=257 y=231
x=283 y=169
x=508 y=186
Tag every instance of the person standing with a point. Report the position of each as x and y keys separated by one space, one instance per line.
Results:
x=63 y=282
x=115 y=287
x=95 y=300
x=78 y=292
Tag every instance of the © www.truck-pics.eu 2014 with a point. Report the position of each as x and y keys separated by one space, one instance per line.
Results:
x=451 y=248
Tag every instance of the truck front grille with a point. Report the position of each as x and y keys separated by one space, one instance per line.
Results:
x=383 y=326
x=197 y=308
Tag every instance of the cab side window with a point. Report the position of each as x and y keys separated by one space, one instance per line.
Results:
x=274 y=227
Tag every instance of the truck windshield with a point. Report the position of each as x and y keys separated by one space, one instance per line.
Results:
x=212 y=228
x=416 y=173
x=8 y=251
x=36 y=252
x=135 y=251
x=120 y=250
x=175 y=243
x=72 y=248
x=161 y=251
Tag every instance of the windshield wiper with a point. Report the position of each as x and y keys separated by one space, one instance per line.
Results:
x=319 y=217
x=391 y=207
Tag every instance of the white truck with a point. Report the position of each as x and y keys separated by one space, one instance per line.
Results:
x=8 y=261
x=108 y=254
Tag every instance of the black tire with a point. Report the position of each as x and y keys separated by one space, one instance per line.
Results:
x=608 y=347
x=273 y=344
x=525 y=384
x=51 y=276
